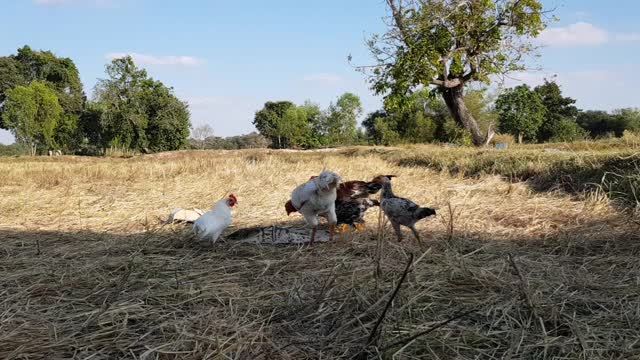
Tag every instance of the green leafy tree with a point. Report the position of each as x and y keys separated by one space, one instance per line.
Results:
x=168 y=117
x=137 y=112
x=629 y=119
x=295 y=127
x=32 y=113
x=387 y=135
x=521 y=112
x=267 y=120
x=446 y=44
x=89 y=125
x=10 y=76
x=369 y=124
x=566 y=130
x=598 y=123
x=123 y=118
x=480 y=105
x=559 y=111
x=342 y=120
x=601 y=124
x=59 y=74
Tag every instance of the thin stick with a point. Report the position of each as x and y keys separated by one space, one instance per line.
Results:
x=374 y=331
x=523 y=287
x=425 y=332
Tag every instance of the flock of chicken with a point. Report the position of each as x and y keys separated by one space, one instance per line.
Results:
x=325 y=195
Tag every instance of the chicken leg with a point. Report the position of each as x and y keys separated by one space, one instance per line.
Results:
x=332 y=230
x=396 y=228
x=415 y=233
x=313 y=234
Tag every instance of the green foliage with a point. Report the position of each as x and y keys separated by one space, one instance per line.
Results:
x=385 y=134
x=600 y=124
x=137 y=112
x=454 y=134
x=90 y=126
x=33 y=113
x=295 y=127
x=447 y=44
x=59 y=74
x=565 y=130
x=342 y=120
x=559 y=113
x=16 y=149
x=10 y=76
x=424 y=119
x=268 y=119
x=479 y=103
x=306 y=126
x=66 y=132
x=521 y=112
x=629 y=118
x=248 y=141
x=168 y=118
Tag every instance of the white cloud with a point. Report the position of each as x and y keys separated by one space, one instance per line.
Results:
x=578 y=34
x=628 y=37
x=583 y=34
x=323 y=78
x=159 y=60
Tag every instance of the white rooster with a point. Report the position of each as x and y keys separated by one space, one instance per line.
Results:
x=315 y=198
x=209 y=226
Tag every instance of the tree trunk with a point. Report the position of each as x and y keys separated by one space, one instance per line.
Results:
x=519 y=138
x=454 y=98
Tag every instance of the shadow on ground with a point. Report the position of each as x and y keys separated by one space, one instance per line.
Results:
x=159 y=295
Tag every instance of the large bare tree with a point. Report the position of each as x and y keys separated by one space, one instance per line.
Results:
x=446 y=44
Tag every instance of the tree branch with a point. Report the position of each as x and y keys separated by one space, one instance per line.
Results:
x=396 y=11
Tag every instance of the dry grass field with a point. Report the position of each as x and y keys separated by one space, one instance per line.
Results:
x=522 y=271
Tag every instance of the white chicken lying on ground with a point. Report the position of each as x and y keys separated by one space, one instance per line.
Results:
x=209 y=226
x=315 y=198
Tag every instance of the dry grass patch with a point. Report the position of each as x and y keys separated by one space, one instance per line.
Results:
x=88 y=271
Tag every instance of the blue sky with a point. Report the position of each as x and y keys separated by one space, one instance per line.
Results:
x=227 y=58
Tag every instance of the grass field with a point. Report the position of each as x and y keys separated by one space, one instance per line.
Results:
x=542 y=269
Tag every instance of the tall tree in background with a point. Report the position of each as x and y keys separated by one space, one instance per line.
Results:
x=521 y=112
x=200 y=135
x=138 y=112
x=168 y=117
x=560 y=113
x=32 y=113
x=11 y=75
x=446 y=44
x=123 y=116
x=341 y=120
x=267 y=121
x=58 y=74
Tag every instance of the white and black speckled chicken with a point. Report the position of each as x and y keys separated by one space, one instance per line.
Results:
x=401 y=211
